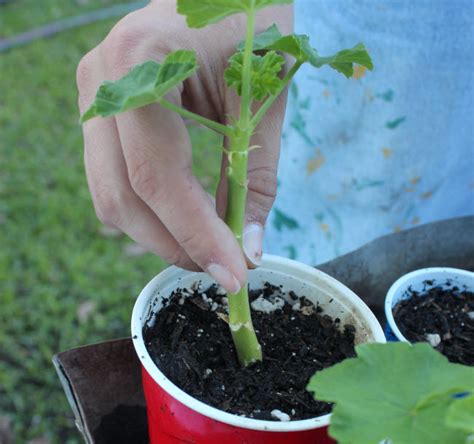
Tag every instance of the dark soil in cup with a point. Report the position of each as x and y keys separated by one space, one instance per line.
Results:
x=191 y=344
x=440 y=314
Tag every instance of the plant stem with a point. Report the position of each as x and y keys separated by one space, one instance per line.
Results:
x=270 y=100
x=240 y=320
x=246 y=98
x=243 y=333
x=211 y=124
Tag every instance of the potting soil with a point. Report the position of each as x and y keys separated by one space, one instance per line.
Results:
x=442 y=316
x=191 y=344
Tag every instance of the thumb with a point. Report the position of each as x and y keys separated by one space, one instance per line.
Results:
x=262 y=180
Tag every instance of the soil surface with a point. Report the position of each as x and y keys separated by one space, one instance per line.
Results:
x=443 y=317
x=191 y=344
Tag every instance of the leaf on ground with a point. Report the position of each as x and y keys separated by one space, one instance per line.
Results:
x=393 y=391
x=200 y=13
x=265 y=70
x=144 y=84
x=299 y=47
x=461 y=414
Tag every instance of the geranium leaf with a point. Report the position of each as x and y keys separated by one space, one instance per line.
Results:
x=393 y=391
x=200 y=13
x=144 y=84
x=265 y=38
x=343 y=61
x=177 y=67
x=461 y=414
x=300 y=48
x=264 y=78
x=233 y=73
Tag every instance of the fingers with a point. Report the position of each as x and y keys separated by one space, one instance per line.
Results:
x=157 y=153
x=139 y=168
x=262 y=183
x=115 y=202
x=139 y=164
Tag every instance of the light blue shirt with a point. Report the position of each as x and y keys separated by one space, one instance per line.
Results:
x=384 y=151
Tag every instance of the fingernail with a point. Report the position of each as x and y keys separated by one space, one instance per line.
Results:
x=253 y=242
x=224 y=277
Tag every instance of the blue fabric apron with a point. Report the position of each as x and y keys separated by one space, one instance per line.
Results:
x=385 y=150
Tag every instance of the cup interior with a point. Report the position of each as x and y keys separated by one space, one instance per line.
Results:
x=421 y=281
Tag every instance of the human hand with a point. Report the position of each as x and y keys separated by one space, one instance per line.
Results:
x=138 y=164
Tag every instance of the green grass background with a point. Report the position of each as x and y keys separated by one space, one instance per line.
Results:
x=54 y=258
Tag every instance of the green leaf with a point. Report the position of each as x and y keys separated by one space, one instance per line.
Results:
x=295 y=45
x=265 y=39
x=200 y=13
x=343 y=61
x=144 y=84
x=264 y=79
x=393 y=391
x=300 y=48
x=461 y=414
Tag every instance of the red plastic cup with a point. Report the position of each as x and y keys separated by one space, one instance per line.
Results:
x=176 y=417
x=171 y=422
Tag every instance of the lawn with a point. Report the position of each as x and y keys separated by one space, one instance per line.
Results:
x=64 y=280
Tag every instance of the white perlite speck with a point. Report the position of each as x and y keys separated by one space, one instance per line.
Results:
x=308 y=310
x=196 y=286
x=296 y=306
x=266 y=306
x=208 y=300
x=278 y=414
x=471 y=315
x=221 y=291
x=433 y=338
x=185 y=292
